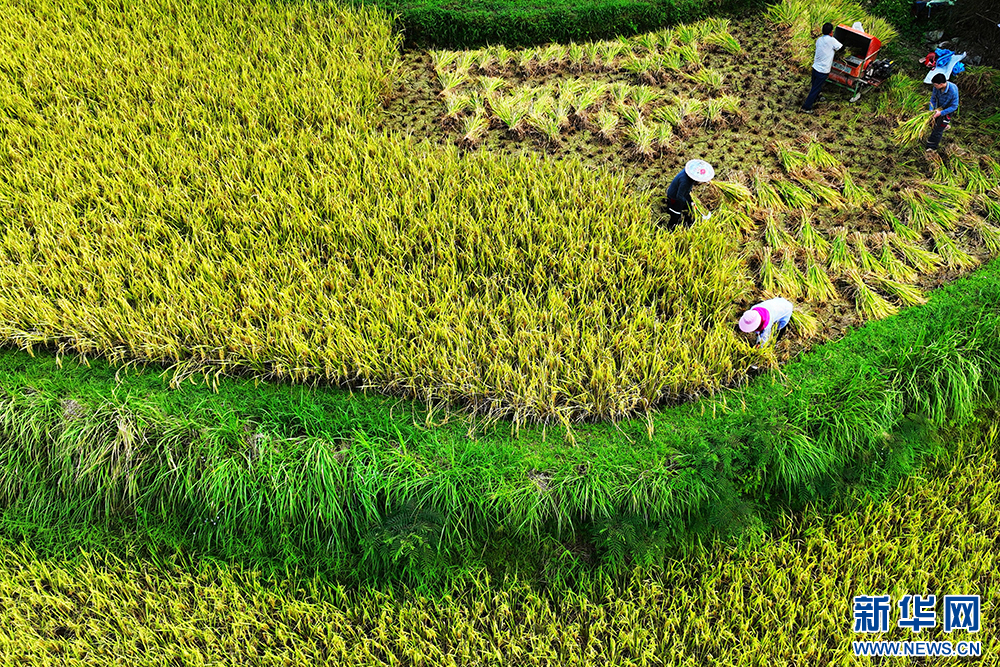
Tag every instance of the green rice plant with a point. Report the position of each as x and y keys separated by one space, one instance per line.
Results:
x=512 y=111
x=643 y=96
x=618 y=93
x=818 y=156
x=643 y=138
x=953 y=202
x=767 y=195
x=647 y=41
x=840 y=259
x=953 y=256
x=575 y=57
x=545 y=123
x=791 y=160
x=607 y=124
x=812 y=239
x=455 y=105
x=725 y=41
x=645 y=68
x=610 y=52
x=907 y=295
x=552 y=57
x=561 y=111
x=685 y=33
x=503 y=57
x=443 y=59
x=712 y=110
x=630 y=114
x=979 y=182
x=707 y=79
x=664 y=136
x=917 y=256
x=689 y=54
x=818 y=285
x=793 y=195
x=485 y=61
x=823 y=193
x=451 y=81
x=990 y=207
x=898 y=226
x=491 y=85
x=914 y=130
x=895 y=268
x=776 y=236
x=465 y=62
x=592 y=55
x=528 y=60
x=474 y=129
x=588 y=98
x=855 y=195
x=672 y=61
x=867 y=262
x=870 y=305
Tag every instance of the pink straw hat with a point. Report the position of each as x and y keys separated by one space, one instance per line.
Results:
x=750 y=321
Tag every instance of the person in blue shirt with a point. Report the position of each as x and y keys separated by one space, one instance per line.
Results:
x=944 y=98
x=679 y=193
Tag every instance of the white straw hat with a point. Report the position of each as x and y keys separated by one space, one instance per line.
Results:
x=699 y=170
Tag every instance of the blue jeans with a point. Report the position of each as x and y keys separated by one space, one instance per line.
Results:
x=818 y=80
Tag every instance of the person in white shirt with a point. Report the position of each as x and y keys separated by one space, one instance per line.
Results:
x=826 y=46
x=761 y=317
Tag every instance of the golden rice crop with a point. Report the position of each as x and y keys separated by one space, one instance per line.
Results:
x=282 y=234
x=915 y=129
x=868 y=302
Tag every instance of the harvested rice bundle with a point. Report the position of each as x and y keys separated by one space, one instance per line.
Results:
x=804 y=323
x=791 y=160
x=776 y=236
x=914 y=130
x=919 y=215
x=767 y=196
x=607 y=124
x=474 y=129
x=794 y=195
x=768 y=274
x=840 y=258
x=920 y=258
x=898 y=226
x=953 y=256
x=732 y=191
x=819 y=287
x=707 y=79
x=866 y=260
x=725 y=41
x=908 y=295
x=812 y=239
x=988 y=235
x=894 y=266
x=854 y=194
x=790 y=280
x=823 y=193
x=818 y=156
x=868 y=302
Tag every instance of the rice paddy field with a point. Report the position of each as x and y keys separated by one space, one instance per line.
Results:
x=405 y=330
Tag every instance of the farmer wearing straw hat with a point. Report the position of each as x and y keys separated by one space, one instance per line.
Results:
x=679 y=193
x=945 y=99
x=759 y=319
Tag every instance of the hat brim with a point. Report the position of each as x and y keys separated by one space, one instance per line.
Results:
x=699 y=170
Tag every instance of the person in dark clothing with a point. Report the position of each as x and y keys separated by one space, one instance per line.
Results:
x=944 y=98
x=679 y=193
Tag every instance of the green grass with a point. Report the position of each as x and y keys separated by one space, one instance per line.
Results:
x=782 y=598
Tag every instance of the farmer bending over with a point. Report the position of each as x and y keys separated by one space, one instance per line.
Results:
x=944 y=98
x=759 y=319
x=679 y=193
x=826 y=46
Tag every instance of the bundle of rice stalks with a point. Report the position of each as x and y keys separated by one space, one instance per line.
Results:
x=527 y=61
x=512 y=111
x=645 y=68
x=794 y=196
x=733 y=216
x=607 y=124
x=552 y=58
x=914 y=130
x=442 y=60
x=951 y=203
x=791 y=160
x=725 y=41
x=823 y=193
x=776 y=236
x=689 y=54
x=610 y=52
x=671 y=61
x=840 y=258
x=818 y=285
x=707 y=79
x=790 y=281
x=647 y=41
x=979 y=182
x=474 y=129
x=714 y=114
x=588 y=98
x=643 y=138
x=643 y=96
x=630 y=114
x=768 y=274
x=953 y=256
x=900 y=95
x=732 y=191
x=907 y=295
x=491 y=85
x=855 y=195
x=819 y=157
x=767 y=196
x=919 y=258
x=576 y=57
x=618 y=93
x=894 y=266
x=812 y=239
x=866 y=260
x=990 y=208
x=869 y=304
x=451 y=81
x=454 y=105
x=988 y=235
x=545 y=123
x=664 y=136
x=686 y=33
x=804 y=323
x=898 y=226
